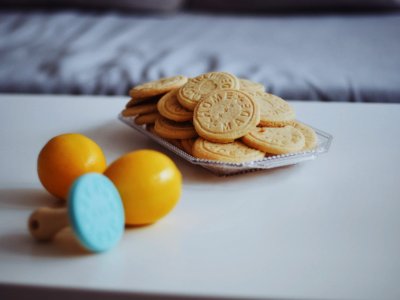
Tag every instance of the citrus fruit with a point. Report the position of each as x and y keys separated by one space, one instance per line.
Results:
x=66 y=157
x=149 y=183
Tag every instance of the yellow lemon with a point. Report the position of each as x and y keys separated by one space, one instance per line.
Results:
x=66 y=157
x=149 y=183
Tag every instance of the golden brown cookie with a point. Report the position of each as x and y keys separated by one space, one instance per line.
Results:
x=149 y=118
x=139 y=110
x=199 y=87
x=274 y=111
x=177 y=143
x=170 y=108
x=226 y=115
x=157 y=87
x=275 y=140
x=173 y=130
x=248 y=85
x=148 y=100
x=187 y=145
x=150 y=128
x=230 y=152
x=309 y=135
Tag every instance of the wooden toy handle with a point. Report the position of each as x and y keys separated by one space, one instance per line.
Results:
x=45 y=222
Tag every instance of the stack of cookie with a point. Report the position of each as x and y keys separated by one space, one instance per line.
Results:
x=217 y=116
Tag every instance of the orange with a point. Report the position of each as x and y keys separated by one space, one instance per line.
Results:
x=64 y=158
x=149 y=183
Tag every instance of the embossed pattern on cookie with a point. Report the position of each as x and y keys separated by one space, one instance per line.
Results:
x=309 y=135
x=170 y=108
x=275 y=140
x=248 y=85
x=230 y=152
x=274 y=111
x=157 y=87
x=226 y=115
x=199 y=87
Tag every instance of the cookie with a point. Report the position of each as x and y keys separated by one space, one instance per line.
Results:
x=309 y=135
x=199 y=87
x=226 y=115
x=230 y=152
x=274 y=111
x=173 y=130
x=187 y=145
x=139 y=110
x=157 y=87
x=248 y=85
x=275 y=140
x=170 y=108
x=149 y=118
x=135 y=101
x=150 y=128
x=177 y=143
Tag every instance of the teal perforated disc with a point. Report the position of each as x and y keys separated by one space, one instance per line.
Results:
x=96 y=212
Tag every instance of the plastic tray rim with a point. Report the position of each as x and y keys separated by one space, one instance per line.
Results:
x=324 y=142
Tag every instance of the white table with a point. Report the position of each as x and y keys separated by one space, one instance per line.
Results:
x=327 y=228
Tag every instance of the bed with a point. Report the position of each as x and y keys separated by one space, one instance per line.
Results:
x=327 y=56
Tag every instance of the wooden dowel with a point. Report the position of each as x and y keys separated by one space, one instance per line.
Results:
x=45 y=222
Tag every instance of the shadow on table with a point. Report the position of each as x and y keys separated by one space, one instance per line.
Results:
x=19 y=242
x=22 y=244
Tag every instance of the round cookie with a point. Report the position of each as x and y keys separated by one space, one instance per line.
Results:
x=177 y=143
x=199 y=87
x=232 y=152
x=274 y=111
x=309 y=135
x=173 y=130
x=150 y=128
x=170 y=108
x=275 y=140
x=187 y=145
x=149 y=118
x=135 y=101
x=226 y=115
x=248 y=85
x=157 y=87
x=139 y=110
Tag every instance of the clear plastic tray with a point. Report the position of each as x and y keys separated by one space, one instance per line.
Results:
x=227 y=168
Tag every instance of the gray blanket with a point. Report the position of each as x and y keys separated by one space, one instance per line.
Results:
x=325 y=57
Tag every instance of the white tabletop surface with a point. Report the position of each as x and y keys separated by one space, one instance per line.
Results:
x=327 y=228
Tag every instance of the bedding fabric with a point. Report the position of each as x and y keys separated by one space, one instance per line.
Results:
x=310 y=57
x=291 y=5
